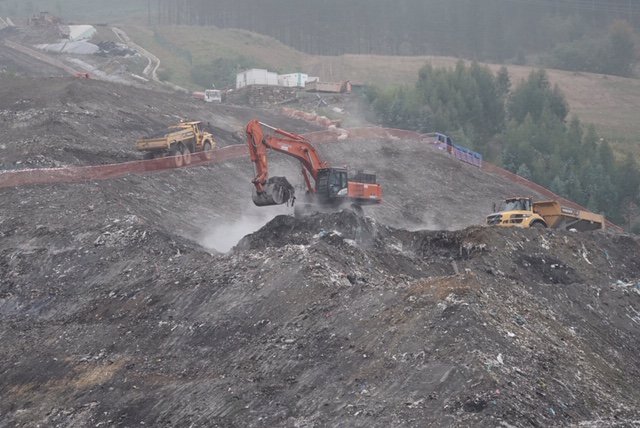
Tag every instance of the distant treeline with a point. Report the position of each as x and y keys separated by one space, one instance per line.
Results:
x=525 y=129
x=480 y=29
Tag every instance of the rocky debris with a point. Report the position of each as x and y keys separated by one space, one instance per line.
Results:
x=59 y=122
x=73 y=121
x=256 y=95
x=323 y=320
x=112 y=315
x=110 y=48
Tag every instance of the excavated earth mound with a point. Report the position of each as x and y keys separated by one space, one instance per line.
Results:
x=331 y=319
x=50 y=122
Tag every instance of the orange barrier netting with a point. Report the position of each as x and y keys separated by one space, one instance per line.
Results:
x=72 y=174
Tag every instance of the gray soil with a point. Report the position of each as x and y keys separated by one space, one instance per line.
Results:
x=117 y=310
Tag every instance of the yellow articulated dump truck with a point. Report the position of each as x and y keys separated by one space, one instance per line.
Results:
x=179 y=142
x=523 y=212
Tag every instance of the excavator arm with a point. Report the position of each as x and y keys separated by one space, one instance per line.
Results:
x=277 y=190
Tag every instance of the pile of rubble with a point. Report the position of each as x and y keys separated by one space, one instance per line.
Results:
x=256 y=95
x=111 y=313
x=324 y=320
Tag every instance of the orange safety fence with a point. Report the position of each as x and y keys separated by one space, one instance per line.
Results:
x=72 y=174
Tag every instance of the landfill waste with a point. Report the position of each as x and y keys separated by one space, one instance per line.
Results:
x=113 y=314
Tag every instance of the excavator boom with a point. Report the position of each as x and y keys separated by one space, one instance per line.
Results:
x=291 y=144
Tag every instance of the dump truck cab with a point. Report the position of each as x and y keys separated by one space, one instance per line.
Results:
x=517 y=212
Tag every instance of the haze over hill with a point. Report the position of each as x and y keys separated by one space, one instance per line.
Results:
x=606 y=101
x=113 y=313
x=137 y=293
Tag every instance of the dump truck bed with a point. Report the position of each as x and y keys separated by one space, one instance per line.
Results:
x=560 y=217
x=164 y=142
x=145 y=144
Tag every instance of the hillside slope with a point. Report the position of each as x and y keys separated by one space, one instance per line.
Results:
x=606 y=101
x=113 y=312
x=109 y=319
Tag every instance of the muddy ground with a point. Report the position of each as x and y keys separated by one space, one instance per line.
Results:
x=117 y=310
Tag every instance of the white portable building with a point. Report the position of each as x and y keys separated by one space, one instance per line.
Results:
x=272 y=78
x=256 y=76
x=293 y=80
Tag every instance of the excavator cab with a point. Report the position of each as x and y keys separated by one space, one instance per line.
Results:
x=332 y=183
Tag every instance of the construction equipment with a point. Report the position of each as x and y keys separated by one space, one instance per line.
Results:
x=326 y=187
x=213 y=96
x=523 y=212
x=179 y=142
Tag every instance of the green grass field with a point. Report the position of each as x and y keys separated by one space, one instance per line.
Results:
x=609 y=102
x=180 y=48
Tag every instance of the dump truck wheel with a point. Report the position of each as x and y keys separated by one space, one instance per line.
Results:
x=206 y=149
x=176 y=154
x=147 y=156
x=539 y=225
x=186 y=154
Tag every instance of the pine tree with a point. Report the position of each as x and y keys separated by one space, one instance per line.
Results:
x=503 y=82
x=558 y=186
x=524 y=171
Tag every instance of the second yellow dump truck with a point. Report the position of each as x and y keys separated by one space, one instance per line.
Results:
x=179 y=142
x=523 y=212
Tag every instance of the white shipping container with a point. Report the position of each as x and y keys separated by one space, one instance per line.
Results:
x=293 y=80
x=250 y=77
x=272 y=79
x=256 y=76
x=240 y=80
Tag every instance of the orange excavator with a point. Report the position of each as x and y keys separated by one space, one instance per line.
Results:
x=326 y=187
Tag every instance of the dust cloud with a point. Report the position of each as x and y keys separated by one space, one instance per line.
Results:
x=226 y=234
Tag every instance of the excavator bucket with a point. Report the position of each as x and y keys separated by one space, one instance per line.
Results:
x=278 y=191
